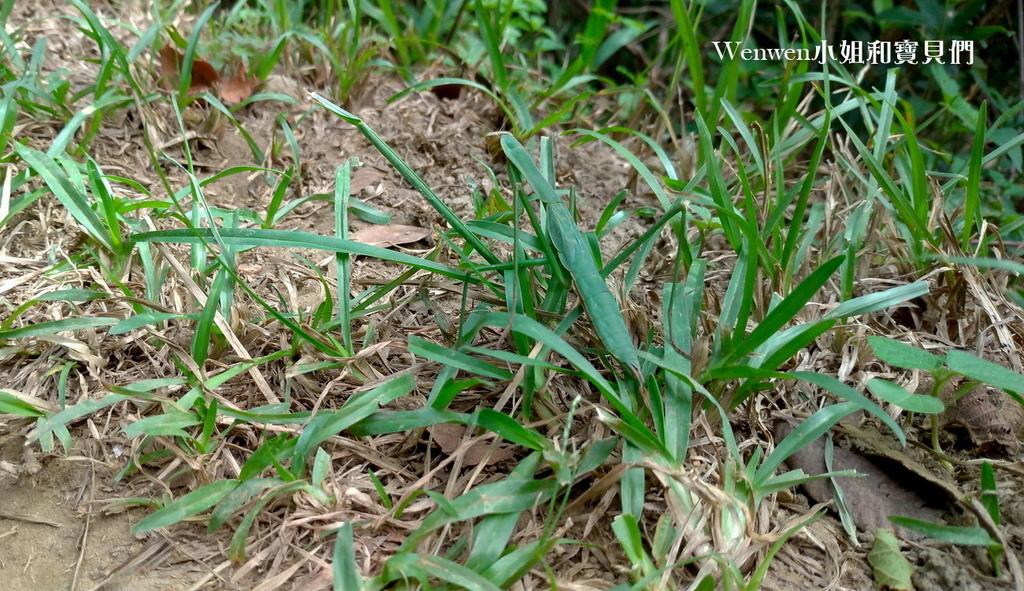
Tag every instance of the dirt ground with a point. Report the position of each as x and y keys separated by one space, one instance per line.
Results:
x=65 y=519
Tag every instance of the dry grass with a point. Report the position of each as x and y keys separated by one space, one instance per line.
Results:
x=291 y=541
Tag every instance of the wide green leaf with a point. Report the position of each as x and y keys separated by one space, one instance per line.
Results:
x=575 y=255
x=967 y=536
x=903 y=355
x=890 y=568
x=895 y=394
x=985 y=371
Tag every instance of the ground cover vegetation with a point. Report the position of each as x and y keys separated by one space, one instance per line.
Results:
x=502 y=294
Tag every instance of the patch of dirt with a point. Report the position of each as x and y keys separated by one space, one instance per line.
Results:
x=55 y=534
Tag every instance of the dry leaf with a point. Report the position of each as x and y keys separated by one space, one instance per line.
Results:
x=390 y=235
x=871 y=498
x=204 y=77
x=449 y=437
x=491 y=452
x=239 y=87
x=992 y=420
x=363 y=178
x=170 y=60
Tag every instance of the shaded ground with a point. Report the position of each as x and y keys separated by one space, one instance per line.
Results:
x=61 y=525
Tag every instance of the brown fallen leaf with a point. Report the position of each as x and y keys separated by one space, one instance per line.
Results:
x=204 y=76
x=239 y=87
x=449 y=437
x=881 y=491
x=389 y=235
x=884 y=452
x=170 y=60
x=992 y=419
x=363 y=178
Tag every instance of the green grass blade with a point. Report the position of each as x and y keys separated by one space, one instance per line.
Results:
x=342 y=261
x=54 y=326
x=205 y=324
x=972 y=202
x=237 y=498
x=451 y=357
x=784 y=312
x=574 y=253
x=194 y=502
x=905 y=212
x=67 y=193
x=874 y=302
x=490 y=26
x=10 y=403
x=249 y=237
x=507 y=496
x=806 y=432
x=645 y=173
x=716 y=184
x=170 y=424
x=436 y=567
x=492 y=536
x=691 y=55
x=325 y=425
x=845 y=392
x=344 y=568
x=795 y=228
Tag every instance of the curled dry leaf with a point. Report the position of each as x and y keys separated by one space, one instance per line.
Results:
x=389 y=235
x=992 y=419
x=204 y=76
x=170 y=61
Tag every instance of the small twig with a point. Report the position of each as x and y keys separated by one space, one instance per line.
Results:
x=28 y=519
x=83 y=541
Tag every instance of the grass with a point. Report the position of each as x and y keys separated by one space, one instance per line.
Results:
x=551 y=340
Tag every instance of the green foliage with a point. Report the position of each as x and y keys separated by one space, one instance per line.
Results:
x=955 y=362
x=919 y=150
